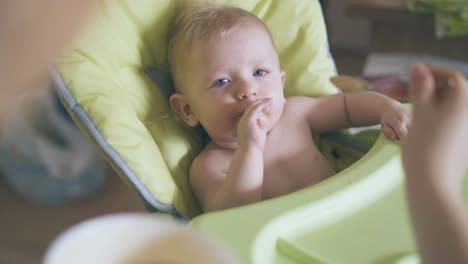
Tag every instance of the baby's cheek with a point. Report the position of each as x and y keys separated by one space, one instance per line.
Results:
x=276 y=109
x=280 y=104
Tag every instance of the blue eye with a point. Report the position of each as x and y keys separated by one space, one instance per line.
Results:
x=221 y=82
x=260 y=72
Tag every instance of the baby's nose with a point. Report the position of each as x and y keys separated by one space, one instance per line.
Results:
x=245 y=92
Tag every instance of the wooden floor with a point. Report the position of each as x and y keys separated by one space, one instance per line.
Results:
x=27 y=229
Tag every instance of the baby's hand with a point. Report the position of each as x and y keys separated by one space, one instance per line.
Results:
x=252 y=127
x=395 y=122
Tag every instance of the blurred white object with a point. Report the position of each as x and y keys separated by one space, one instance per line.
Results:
x=135 y=238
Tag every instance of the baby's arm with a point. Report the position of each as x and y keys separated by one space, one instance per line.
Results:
x=371 y=108
x=358 y=109
x=435 y=160
x=242 y=183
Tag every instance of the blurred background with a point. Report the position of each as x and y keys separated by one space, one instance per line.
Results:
x=372 y=42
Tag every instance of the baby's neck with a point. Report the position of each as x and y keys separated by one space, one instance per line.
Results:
x=226 y=145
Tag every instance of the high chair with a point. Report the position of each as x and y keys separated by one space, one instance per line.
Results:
x=113 y=81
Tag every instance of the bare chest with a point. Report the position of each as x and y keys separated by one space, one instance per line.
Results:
x=292 y=161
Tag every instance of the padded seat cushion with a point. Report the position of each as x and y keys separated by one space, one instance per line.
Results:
x=106 y=90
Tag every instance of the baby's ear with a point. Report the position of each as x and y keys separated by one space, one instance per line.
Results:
x=183 y=109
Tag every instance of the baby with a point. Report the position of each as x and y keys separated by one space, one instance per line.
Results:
x=227 y=76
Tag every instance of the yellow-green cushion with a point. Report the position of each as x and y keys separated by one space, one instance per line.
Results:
x=104 y=73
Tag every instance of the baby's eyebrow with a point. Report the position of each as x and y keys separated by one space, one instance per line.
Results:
x=213 y=75
x=209 y=78
x=263 y=61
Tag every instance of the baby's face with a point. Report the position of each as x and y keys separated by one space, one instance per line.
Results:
x=226 y=75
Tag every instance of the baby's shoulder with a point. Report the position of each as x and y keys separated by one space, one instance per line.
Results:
x=208 y=168
x=300 y=101
x=299 y=104
x=208 y=159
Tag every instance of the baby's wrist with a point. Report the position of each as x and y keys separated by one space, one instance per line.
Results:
x=249 y=148
x=393 y=104
x=391 y=107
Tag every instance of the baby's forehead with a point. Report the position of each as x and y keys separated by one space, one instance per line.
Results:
x=216 y=38
x=207 y=53
x=196 y=35
x=187 y=47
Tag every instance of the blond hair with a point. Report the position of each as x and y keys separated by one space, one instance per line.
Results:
x=202 y=21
